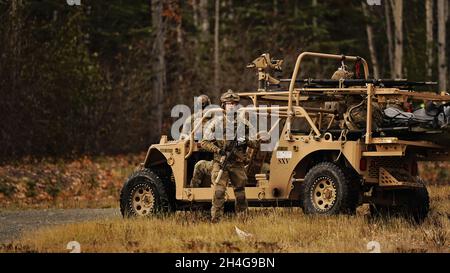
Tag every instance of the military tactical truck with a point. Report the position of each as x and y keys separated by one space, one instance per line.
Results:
x=328 y=160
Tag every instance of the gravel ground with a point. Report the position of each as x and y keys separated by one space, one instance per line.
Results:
x=15 y=223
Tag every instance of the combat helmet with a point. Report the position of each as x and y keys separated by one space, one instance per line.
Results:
x=203 y=100
x=229 y=96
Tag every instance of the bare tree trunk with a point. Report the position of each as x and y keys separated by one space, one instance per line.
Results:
x=216 y=49
x=389 y=38
x=179 y=22
x=195 y=12
x=204 y=20
x=176 y=5
x=159 y=66
x=316 y=60
x=430 y=44
x=295 y=9
x=442 y=60
x=275 y=7
x=314 y=4
x=447 y=4
x=397 y=11
x=15 y=43
x=230 y=10
x=373 y=53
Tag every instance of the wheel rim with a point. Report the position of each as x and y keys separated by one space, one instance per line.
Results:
x=324 y=193
x=143 y=201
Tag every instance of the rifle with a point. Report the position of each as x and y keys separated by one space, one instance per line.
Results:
x=358 y=82
x=224 y=160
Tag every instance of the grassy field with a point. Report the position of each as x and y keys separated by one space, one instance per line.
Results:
x=273 y=229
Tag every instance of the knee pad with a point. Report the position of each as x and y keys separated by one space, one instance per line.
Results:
x=219 y=193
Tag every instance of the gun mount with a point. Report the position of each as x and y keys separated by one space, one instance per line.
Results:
x=264 y=64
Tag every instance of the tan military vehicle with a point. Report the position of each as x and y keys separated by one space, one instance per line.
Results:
x=336 y=150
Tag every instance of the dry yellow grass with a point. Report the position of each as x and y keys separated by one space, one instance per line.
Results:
x=275 y=230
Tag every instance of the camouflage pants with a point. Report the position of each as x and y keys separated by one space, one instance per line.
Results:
x=236 y=174
x=202 y=171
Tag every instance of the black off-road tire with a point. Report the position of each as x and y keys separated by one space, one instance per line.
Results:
x=151 y=186
x=419 y=204
x=414 y=205
x=326 y=174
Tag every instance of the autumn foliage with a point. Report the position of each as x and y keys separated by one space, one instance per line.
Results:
x=83 y=182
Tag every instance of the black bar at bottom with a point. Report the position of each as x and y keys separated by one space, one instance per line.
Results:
x=216 y=262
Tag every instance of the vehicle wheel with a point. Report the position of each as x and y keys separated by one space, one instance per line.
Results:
x=144 y=194
x=327 y=191
x=412 y=204
x=419 y=204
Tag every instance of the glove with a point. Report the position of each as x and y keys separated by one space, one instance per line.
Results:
x=263 y=136
x=241 y=142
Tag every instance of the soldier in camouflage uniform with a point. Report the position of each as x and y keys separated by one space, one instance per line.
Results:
x=235 y=171
x=202 y=171
x=193 y=119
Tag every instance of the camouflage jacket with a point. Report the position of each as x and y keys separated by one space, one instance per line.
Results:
x=214 y=140
x=190 y=123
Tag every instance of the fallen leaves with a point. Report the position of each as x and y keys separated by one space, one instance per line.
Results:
x=50 y=182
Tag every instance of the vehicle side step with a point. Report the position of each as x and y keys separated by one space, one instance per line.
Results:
x=396 y=178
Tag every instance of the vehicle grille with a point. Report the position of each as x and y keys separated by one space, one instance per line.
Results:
x=385 y=162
